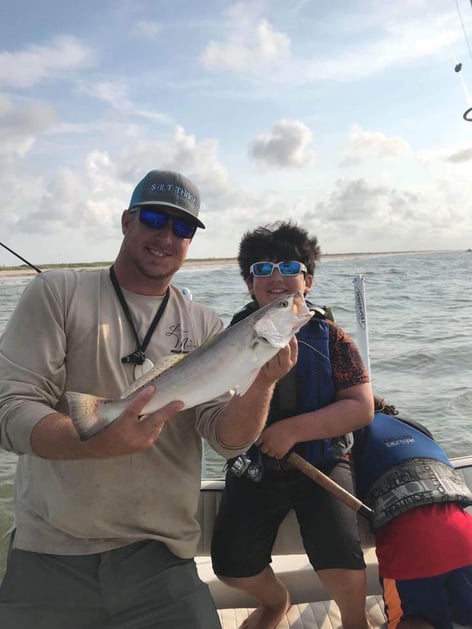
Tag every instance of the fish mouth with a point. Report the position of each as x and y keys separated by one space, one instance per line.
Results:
x=300 y=310
x=295 y=313
x=298 y=302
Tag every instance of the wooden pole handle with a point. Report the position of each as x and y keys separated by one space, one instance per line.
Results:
x=329 y=484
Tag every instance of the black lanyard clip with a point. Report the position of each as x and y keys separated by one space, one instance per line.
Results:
x=137 y=358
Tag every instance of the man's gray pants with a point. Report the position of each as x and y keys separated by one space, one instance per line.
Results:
x=140 y=586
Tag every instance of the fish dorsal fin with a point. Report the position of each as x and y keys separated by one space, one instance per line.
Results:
x=162 y=365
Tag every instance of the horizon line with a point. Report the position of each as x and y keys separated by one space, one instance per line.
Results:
x=49 y=265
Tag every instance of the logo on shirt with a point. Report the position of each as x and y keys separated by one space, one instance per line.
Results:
x=183 y=344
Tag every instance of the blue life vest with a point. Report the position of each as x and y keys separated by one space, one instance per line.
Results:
x=398 y=467
x=307 y=387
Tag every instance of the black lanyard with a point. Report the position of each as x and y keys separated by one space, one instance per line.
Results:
x=137 y=357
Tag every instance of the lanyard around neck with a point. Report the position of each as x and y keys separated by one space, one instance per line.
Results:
x=137 y=357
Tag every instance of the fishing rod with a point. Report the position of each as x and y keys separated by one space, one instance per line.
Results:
x=21 y=258
x=330 y=485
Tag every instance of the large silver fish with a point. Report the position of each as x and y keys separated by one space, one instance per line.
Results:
x=230 y=361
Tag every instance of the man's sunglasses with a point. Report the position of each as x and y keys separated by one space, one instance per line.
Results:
x=289 y=268
x=157 y=219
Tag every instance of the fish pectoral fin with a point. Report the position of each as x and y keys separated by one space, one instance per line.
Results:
x=244 y=384
x=162 y=365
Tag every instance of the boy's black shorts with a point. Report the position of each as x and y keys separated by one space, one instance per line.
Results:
x=250 y=514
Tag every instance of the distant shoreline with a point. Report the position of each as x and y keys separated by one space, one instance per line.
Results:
x=12 y=271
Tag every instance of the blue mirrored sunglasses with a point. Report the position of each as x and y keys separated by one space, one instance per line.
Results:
x=157 y=219
x=265 y=269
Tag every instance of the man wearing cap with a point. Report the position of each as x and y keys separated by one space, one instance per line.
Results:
x=105 y=530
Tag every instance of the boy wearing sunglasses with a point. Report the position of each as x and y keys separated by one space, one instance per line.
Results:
x=314 y=409
x=105 y=530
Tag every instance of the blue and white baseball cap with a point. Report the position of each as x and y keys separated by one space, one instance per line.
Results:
x=171 y=189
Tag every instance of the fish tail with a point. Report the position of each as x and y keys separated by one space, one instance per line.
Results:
x=86 y=413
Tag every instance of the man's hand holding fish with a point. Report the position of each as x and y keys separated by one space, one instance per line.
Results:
x=131 y=432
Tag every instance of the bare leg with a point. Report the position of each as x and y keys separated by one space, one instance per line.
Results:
x=271 y=595
x=348 y=589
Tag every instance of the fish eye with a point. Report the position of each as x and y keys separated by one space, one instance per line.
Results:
x=284 y=303
x=263 y=339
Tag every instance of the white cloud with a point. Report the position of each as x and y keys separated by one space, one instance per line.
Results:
x=156 y=116
x=87 y=200
x=285 y=145
x=384 y=39
x=146 y=28
x=114 y=93
x=389 y=218
x=37 y=63
x=354 y=201
x=388 y=36
x=23 y=191
x=454 y=156
x=460 y=156
x=91 y=197
x=372 y=144
x=20 y=123
x=252 y=44
x=179 y=152
x=394 y=49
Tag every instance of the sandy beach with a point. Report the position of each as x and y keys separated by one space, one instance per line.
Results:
x=6 y=272
x=18 y=271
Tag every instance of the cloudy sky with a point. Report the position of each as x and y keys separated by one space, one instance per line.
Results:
x=344 y=116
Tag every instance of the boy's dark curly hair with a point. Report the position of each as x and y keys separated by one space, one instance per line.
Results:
x=276 y=242
x=387 y=409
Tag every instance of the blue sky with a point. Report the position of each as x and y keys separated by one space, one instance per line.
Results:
x=343 y=116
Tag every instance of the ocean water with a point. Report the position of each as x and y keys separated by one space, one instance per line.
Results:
x=419 y=314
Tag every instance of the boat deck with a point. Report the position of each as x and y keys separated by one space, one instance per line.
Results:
x=319 y=615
